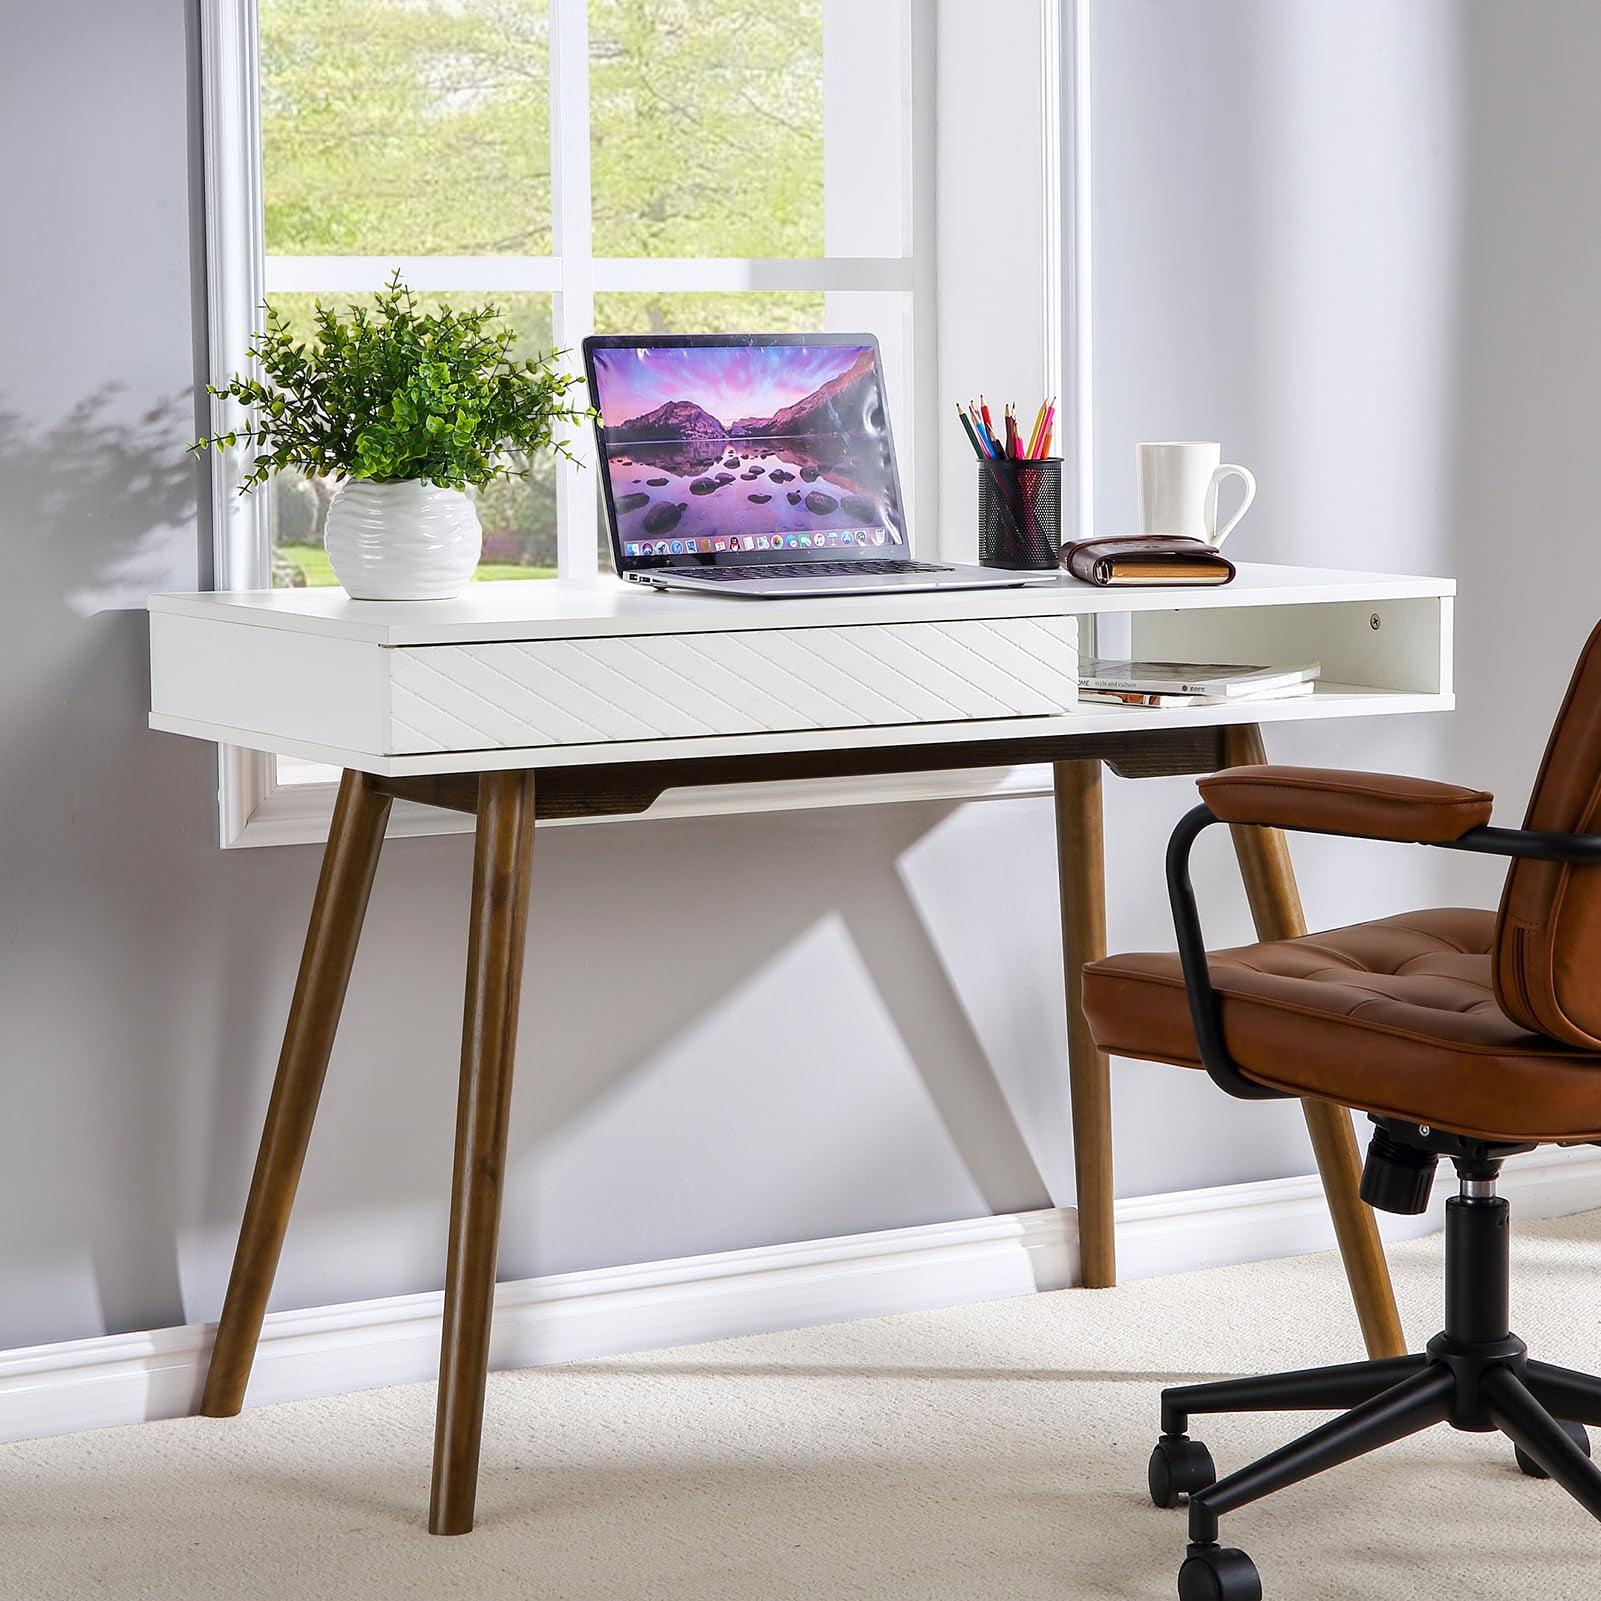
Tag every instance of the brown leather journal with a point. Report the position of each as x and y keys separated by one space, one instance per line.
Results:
x=1123 y=559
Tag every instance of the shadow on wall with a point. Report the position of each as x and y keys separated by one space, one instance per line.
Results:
x=96 y=509
x=735 y=1031
x=93 y=478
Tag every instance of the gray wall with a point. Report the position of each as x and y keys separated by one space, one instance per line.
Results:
x=1357 y=243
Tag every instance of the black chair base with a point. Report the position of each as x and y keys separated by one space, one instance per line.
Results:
x=1475 y=1376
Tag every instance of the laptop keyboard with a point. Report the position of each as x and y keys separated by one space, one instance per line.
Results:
x=815 y=569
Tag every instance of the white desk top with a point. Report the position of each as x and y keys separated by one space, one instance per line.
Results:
x=548 y=673
x=522 y=609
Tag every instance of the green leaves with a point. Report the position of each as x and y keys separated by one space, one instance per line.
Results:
x=392 y=392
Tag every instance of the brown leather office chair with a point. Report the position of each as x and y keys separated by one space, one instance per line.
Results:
x=1467 y=1034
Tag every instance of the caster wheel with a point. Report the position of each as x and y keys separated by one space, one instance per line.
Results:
x=1179 y=1466
x=1574 y=1431
x=1214 y=1573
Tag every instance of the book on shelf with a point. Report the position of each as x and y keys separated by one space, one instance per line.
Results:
x=1218 y=680
x=1136 y=697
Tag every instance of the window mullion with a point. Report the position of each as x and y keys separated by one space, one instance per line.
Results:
x=235 y=256
x=573 y=306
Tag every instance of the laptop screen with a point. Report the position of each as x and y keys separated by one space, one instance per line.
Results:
x=744 y=449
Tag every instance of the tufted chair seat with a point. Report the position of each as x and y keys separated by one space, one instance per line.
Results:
x=1377 y=1016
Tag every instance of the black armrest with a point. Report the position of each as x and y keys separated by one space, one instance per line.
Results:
x=1205 y=1015
x=1528 y=842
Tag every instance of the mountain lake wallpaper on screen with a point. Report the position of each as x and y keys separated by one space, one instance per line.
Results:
x=707 y=441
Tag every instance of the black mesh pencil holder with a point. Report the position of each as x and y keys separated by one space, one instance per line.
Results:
x=1020 y=513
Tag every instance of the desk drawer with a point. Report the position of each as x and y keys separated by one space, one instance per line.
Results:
x=757 y=681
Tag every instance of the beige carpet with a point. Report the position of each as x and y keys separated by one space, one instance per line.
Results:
x=994 y=1451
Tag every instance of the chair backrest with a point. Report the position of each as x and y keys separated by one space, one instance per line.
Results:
x=1548 y=930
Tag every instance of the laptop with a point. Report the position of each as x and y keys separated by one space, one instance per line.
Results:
x=757 y=465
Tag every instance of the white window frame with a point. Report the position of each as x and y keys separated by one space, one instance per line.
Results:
x=253 y=807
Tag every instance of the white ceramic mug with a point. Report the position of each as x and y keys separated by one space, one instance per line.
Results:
x=1178 y=489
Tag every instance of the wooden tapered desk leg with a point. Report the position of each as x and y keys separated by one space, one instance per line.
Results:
x=1276 y=909
x=1081 y=871
x=496 y=935
x=349 y=862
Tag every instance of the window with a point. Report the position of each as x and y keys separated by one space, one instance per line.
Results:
x=591 y=166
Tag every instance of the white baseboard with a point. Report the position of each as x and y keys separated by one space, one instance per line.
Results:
x=131 y=1378
x=1159 y=1234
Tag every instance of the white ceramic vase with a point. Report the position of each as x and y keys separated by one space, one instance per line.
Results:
x=405 y=541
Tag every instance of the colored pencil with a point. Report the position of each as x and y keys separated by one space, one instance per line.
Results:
x=983 y=430
x=967 y=428
x=984 y=412
x=987 y=438
x=1039 y=424
x=1045 y=435
x=988 y=434
x=972 y=438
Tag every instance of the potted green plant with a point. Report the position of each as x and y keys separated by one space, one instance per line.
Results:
x=408 y=408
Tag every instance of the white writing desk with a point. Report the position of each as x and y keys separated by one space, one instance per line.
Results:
x=556 y=700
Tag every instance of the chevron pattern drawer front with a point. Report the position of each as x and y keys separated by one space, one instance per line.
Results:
x=685 y=685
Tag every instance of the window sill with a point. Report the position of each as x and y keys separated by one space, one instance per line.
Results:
x=298 y=814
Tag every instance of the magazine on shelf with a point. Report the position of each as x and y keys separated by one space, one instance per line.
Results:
x=1222 y=680
x=1138 y=697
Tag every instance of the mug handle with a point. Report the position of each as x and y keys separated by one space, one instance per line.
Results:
x=1219 y=474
